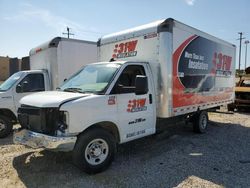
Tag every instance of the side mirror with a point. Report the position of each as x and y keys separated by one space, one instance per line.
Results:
x=19 y=88
x=141 y=85
x=22 y=88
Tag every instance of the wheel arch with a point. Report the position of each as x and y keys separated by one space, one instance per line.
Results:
x=107 y=125
x=8 y=113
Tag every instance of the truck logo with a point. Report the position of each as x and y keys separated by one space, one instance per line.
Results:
x=222 y=63
x=137 y=105
x=124 y=50
x=111 y=100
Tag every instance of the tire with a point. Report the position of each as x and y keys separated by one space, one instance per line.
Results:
x=94 y=151
x=200 y=122
x=5 y=126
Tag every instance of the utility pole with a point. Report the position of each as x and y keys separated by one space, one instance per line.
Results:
x=246 y=43
x=68 y=33
x=240 y=33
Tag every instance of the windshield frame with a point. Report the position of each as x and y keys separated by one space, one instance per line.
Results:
x=104 y=90
x=21 y=75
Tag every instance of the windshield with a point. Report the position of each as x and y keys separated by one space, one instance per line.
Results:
x=93 y=78
x=10 y=81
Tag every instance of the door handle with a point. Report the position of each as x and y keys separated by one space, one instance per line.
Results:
x=150 y=99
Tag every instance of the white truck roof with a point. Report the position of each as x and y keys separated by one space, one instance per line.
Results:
x=54 y=43
x=156 y=26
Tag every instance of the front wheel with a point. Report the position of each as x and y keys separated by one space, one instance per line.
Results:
x=200 y=122
x=5 y=126
x=94 y=150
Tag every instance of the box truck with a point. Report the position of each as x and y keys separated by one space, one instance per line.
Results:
x=50 y=63
x=164 y=69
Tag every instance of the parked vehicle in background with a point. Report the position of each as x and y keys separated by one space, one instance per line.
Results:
x=242 y=94
x=162 y=70
x=51 y=63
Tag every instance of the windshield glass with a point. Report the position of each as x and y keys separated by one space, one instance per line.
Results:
x=10 y=81
x=91 y=79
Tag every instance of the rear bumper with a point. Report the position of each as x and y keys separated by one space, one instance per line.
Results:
x=38 y=140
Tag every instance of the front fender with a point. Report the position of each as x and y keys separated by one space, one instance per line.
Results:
x=88 y=111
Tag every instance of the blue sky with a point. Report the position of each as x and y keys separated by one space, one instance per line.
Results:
x=26 y=24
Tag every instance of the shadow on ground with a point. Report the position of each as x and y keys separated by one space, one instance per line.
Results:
x=221 y=156
x=7 y=140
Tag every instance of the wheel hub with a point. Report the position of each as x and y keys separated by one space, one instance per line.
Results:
x=96 y=151
x=203 y=122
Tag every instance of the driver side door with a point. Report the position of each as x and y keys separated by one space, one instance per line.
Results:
x=31 y=83
x=136 y=113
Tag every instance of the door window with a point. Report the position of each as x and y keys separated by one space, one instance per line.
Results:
x=31 y=83
x=126 y=81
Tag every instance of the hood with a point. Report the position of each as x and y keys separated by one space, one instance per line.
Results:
x=50 y=98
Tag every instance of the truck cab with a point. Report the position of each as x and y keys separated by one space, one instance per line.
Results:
x=13 y=89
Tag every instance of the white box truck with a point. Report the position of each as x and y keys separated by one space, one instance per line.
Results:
x=164 y=69
x=50 y=63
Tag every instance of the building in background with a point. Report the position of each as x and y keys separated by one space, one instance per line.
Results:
x=4 y=68
x=9 y=66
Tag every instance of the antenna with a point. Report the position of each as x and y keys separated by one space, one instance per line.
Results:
x=68 y=33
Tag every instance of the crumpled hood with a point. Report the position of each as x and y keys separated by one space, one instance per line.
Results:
x=50 y=98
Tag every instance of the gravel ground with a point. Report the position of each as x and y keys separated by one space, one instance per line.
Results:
x=176 y=157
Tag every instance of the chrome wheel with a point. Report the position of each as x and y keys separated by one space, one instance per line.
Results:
x=200 y=122
x=96 y=151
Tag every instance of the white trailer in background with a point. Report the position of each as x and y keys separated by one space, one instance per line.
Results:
x=164 y=69
x=51 y=63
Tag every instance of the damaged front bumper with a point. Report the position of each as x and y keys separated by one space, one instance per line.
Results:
x=38 y=140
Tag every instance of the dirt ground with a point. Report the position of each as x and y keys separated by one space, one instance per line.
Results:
x=176 y=157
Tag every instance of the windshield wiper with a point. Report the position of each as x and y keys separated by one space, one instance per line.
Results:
x=73 y=89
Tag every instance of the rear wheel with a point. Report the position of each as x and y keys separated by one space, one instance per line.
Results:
x=94 y=150
x=5 y=126
x=200 y=122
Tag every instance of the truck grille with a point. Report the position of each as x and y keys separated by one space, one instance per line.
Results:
x=41 y=120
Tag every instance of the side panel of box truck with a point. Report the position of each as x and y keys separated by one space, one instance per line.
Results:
x=62 y=57
x=203 y=71
x=73 y=55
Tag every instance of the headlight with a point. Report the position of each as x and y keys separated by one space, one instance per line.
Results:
x=65 y=117
x=63 y=121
